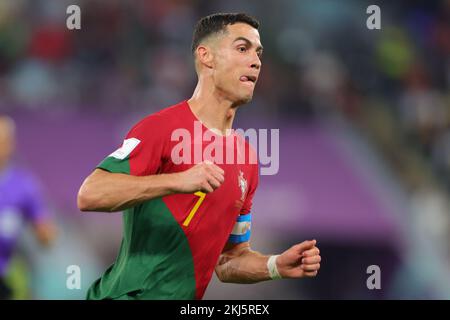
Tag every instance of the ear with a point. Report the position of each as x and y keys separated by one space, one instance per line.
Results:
x=205 y=56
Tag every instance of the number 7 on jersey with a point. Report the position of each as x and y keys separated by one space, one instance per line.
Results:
x=191 y=214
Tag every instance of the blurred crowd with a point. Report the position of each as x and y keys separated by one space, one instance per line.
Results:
x=136 y=56
x=320 y=62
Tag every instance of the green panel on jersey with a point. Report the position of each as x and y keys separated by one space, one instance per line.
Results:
x=154 y=262
x=115 y=165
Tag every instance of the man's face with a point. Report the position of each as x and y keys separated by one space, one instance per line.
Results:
x=237 y=62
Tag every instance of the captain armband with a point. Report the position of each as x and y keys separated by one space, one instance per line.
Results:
x=242 y=229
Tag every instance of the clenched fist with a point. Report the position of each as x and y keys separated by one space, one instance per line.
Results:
x=205 y=177
x=301 y=260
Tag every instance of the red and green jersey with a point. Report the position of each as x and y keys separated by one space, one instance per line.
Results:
x=171 y=244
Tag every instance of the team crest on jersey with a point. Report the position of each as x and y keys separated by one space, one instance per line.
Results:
x=242 y=184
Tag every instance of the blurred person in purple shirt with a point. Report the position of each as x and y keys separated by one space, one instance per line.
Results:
x=20 y=203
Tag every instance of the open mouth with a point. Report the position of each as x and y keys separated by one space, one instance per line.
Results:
x=251 y=79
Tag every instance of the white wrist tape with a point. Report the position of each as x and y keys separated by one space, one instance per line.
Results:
x=272 y=267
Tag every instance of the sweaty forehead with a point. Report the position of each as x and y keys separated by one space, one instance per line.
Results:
x=244 y=30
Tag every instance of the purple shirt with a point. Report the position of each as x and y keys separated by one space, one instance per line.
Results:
x=20 y=202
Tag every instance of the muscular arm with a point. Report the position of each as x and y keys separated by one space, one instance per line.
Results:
x=239 y=264
x=105 y=191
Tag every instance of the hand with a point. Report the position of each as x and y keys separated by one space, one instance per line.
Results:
x=205 y=177
x=301 y=260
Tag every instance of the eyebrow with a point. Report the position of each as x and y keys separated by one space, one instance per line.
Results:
x=249 y=43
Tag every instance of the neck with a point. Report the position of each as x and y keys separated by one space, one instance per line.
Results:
x=212 y=109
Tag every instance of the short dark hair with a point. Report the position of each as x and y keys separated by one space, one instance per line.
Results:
x=216 y=23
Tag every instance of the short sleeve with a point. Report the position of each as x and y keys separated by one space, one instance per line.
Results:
x=248 y=202
x=141 y=152
x=242 y=228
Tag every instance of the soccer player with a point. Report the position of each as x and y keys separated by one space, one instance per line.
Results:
x=184 y=220
x=20 y=202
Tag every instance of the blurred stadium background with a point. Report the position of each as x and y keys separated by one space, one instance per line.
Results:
x=364 y=119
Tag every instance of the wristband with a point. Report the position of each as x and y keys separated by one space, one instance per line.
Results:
x=272 y=267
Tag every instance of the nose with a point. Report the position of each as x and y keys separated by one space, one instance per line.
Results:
x=256 y=63
x=256 y=66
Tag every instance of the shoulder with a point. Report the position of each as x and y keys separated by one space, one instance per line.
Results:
x=163 y=120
